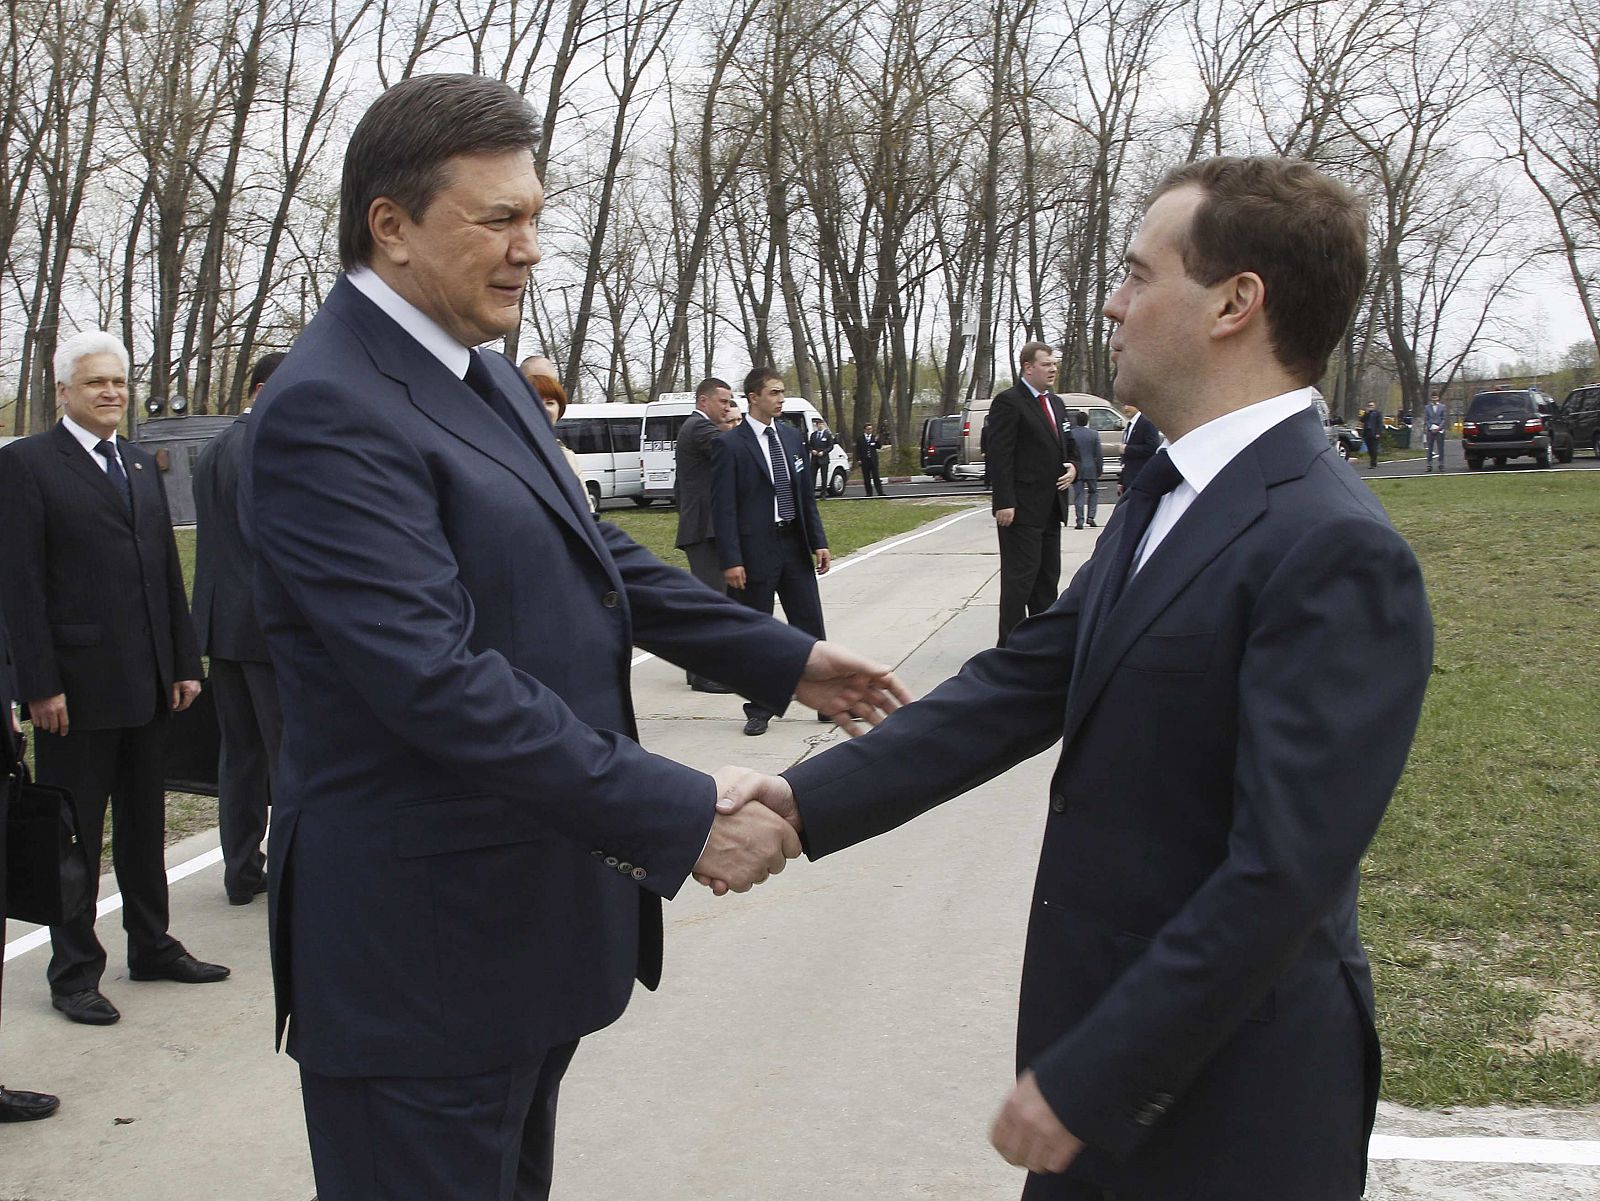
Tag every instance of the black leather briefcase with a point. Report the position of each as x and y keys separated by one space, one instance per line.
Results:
x=47 y=873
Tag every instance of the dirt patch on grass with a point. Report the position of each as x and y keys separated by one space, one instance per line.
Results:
x=1570 y=1022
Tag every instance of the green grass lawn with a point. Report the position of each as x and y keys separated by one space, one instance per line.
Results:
x=1481 y=900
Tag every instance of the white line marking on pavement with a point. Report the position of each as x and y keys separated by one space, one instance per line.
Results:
x=38 y=938
x=1485 y=1150
x=860 y=557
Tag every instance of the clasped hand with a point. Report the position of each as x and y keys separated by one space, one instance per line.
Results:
x=749 y=842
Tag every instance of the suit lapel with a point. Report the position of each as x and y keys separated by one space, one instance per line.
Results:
x=752 y=444
x=1231 y=503
x=78 y=461
x=1046 y=425
x=456 y=408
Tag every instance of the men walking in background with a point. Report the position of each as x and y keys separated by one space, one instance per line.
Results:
x=1372 y=431
x=1029 y=457
x=697 y=532
x=867 y=447
x=819 y=446
x=15 y=1105
x=1091 y=462
x=770 y=540
x=242 y=684
x=1434 y=420
x=93 y=596
x=1140 y=440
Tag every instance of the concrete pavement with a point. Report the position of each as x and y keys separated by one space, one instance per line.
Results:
x=841 y=1033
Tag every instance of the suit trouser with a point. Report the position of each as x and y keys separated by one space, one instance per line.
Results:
x=489 y=1137
x=1435 y=445
x=1030 y=572
x=128 y=766
x=251 y=724
x=795 y=585
x=870 y=479
x=705 y=567
x=817 y=472
x=1059 y=1188
x=1085 y=491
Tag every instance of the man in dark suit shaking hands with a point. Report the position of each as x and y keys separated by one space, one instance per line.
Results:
x=469 y=846
x=1196 y=1017
x=1029 y=458
x=769 y=534
x=105 y=651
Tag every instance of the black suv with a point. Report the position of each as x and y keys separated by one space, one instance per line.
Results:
x=1576 y=423
x=1506 y=424
x=941 y=445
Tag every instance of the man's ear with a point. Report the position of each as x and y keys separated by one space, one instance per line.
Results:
x=1241 y=301
x=389 y=224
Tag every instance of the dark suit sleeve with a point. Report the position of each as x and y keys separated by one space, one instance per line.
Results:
x=1343 y=612
x=1000 y=430
x=677 y=617
x=186 y=663
x=346 y=520
x=22 y=582
x=816 y=536
x=1004 y=706
x=725 y=500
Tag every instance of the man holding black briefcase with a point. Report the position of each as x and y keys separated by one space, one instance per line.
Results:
x=14 y=1106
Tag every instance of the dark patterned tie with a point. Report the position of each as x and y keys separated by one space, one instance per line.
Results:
x=780 y=477
x=479 y=380
x=119 y=477
x=1159 y=477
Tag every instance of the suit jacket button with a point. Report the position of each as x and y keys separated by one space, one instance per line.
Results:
x=625 y=868
x=638 y=873
x=1058 y=803
x=598 y=854
x=609 y=600
x=611 y=861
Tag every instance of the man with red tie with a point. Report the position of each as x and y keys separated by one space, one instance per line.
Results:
x=1031 y=468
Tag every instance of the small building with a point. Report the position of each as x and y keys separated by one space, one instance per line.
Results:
x=176 y=443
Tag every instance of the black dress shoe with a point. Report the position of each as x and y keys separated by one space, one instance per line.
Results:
x=86 y=1006
x=244 y=898
x=756 y=725
x=825 y=717
x=185 y=969
x=1091 y=523
x=26 y=1107
x=1079 y=526
x=710 y=686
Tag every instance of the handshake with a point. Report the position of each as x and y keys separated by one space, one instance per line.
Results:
x=749 y=842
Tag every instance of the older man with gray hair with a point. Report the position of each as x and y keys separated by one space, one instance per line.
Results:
x=94 y=599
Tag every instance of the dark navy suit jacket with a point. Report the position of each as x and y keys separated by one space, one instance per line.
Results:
x=1196 y=1003
x=469 y=845
x=93 y=594
x=742 y=501
x=224 y=569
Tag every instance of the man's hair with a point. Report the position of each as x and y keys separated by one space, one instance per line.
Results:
x=1081 y=417
x=1030 y=350
x=265 y=366
x=526 y=363
x=403 y=145
x=1302 y=232
x=81 y=346
x=816 y=421
x=709 y=385
x=756 y=378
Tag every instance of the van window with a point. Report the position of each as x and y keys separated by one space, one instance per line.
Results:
x=661 y=431
x=584 y=435
x=625 y=434
x=1103 y=420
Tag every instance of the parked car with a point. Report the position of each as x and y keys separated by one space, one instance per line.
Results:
x=1507 y=423
x=1103 y=419
x=941 y=445
x=1575 y=423
x=605 y=437
x=658 y=447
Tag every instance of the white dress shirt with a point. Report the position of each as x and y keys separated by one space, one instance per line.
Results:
x=89 y=441
x=435 y=339
x=1202 y=453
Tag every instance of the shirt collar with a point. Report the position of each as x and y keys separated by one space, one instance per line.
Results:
x=760 y=427
x=1030 y=387
x=1202 y=453
x=433 y=336
x=83 y=437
